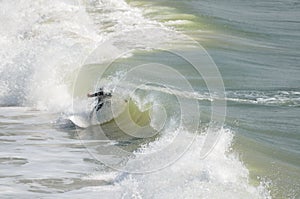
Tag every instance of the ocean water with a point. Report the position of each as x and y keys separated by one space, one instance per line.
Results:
x=206 y=99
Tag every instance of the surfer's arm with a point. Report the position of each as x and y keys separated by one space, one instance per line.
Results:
x=96 y=94
x=90 y=95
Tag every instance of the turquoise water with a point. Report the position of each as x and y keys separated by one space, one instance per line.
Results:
x=167 y=138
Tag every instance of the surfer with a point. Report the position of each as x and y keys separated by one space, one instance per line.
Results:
x=101 y=95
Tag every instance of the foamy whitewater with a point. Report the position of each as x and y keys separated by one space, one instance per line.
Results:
x=54 y=52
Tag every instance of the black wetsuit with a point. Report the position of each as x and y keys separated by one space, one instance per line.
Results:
x=100 y=96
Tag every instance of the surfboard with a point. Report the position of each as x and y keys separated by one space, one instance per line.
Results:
x=79 y=121
x=104 y=115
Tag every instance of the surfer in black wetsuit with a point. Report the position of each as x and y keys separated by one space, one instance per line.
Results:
x=101 y=95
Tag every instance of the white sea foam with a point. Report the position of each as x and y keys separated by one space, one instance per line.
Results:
x=220 y=174
x=43 y=42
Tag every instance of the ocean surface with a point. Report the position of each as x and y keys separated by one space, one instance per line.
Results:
x=205 y=99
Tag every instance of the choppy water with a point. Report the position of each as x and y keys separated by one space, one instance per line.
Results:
x=53 y=53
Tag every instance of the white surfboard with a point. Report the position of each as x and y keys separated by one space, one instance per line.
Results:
x=105 y=114
x=79 y=121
